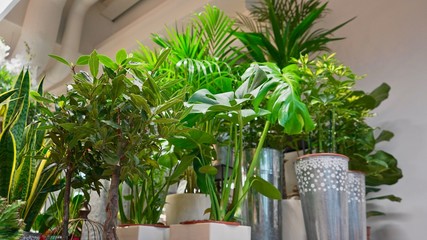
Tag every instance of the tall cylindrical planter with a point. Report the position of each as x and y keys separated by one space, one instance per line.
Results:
x=322 y=183
x=357 y=206
x=264 y=215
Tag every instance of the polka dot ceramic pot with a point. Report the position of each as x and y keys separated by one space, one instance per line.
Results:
x=356 y=205
x=322 y=183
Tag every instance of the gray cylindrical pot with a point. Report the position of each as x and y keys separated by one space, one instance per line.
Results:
x=356 y=206
x=322 y=183
x=261 y=213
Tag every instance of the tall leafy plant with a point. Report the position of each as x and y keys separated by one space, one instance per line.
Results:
x=341 y=114
x=279 y=91
x=22 y=155
x=123 y=113
x=279 y=30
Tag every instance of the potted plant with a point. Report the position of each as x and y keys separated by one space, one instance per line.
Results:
x=24 y=150
x=235 y=110
x=127 y=117
x=189 y=203
x=10 y=224
x=340 y=115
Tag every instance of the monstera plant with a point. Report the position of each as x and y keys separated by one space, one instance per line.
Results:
x=266 y=92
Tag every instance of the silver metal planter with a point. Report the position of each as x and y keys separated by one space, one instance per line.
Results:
x=259 y=212
x=322 y=181
x=357 y=206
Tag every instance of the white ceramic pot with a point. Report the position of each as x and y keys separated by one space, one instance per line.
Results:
x=142 y=232
x=183 y=207
x=293 y=220
x=209 y=231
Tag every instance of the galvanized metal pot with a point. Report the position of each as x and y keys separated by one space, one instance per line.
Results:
x=264 y=215
x=357 y=206
x=322 y=183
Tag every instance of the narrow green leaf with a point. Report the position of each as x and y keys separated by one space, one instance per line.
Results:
x=94 y=64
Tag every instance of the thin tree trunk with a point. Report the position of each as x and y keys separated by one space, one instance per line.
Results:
x=112 y=206
x=66 y=207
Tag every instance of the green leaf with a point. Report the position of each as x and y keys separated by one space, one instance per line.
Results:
x=392 y=198
x=265 y=188
x=6 y=95
x=374 y=213
x=83 y=60
x=121 y=56
x=210 y=170
x=107 y=62
x=180 y=169
x=384 y=136
x=94 y=64
x=8 y=159
x=380 y=93
x=140 y=102
x=60 y=59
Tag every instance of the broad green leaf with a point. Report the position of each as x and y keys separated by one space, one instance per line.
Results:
x=83 y=60
x=265 y=188
x=384 y=136
x=121 y=56
x=107 y=62
x=60 y=59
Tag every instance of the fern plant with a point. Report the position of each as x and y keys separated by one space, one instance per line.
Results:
x=11 y=224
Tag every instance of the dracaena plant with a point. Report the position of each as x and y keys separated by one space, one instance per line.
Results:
x=266 y=92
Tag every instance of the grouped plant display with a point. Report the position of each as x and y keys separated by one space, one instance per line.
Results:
x=24 y=168
x=11 y=224
x=340 y=113
x=279 y=30
x=266 y=92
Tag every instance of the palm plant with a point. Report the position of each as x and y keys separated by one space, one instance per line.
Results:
x=204 y=52
x=279 y=30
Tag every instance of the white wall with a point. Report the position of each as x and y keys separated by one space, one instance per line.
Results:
x=388 y=42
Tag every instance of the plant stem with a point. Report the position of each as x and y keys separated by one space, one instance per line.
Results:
x=253 y=164
x=112 y=209
x=66 y=207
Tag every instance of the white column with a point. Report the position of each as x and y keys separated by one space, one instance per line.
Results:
x=40 y=30
x=70 y=42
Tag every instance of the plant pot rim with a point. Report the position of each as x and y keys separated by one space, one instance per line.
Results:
x=322 y=154
x=187 y=193
x=357 y=172
x=159 y=225
x=211 y=221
